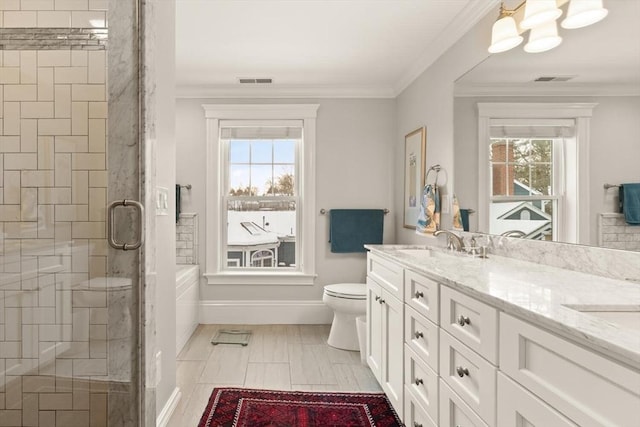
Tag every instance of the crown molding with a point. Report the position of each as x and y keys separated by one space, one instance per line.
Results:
x=545 y=89
x=282 y=91
x=457 y=28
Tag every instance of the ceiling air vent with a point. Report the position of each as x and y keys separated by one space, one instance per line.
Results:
x=553 y=78
x=247 y=81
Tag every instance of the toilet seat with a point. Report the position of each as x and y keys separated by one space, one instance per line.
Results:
x=355 y=291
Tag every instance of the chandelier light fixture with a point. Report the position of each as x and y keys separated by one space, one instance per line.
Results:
x=539 y=18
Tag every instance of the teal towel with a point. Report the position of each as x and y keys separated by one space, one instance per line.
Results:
x=630 y=202
x=351 y=229
x=177 y=203
x=464 y=218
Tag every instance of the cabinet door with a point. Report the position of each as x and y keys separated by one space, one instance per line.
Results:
x=392 y=349
x=374 y=328
x=589 y=389
x=518 y=407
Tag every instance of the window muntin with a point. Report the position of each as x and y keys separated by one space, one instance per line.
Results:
x=261 y=199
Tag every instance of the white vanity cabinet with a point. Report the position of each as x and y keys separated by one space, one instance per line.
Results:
x=449 y=358
x=385 y=327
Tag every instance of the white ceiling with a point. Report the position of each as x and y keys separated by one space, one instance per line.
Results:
x=606 y=54
x=353 y=47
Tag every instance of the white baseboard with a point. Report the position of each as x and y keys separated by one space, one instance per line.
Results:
x=165 y=415
x=265 y=312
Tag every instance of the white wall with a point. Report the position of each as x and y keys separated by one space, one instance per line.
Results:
x=165 y=177
x=614 y=149
x=354 y=144
x=428 y=101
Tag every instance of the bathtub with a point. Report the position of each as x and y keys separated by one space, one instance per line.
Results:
x=187 y=296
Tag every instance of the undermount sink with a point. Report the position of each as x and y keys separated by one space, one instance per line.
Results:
x=423 y=253
x=625 y=316
x=420 y=253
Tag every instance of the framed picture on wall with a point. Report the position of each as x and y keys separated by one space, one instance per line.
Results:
x=415 y=147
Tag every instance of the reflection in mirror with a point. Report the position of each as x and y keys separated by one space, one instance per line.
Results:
x=529 y=166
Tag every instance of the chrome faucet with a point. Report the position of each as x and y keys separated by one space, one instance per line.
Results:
x=513 y=233
x=454 y=241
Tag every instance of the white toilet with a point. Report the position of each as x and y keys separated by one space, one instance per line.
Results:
x=348 y=301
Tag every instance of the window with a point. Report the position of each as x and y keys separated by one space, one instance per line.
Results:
x=533 y=175
x=260 y=218
x=261 y=194
x=526 y=162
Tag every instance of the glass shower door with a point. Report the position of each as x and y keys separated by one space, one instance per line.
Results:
x=68 y=305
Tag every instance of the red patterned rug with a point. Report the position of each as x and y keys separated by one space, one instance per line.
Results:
x=243 y=407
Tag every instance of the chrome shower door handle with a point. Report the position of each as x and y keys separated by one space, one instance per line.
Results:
x=111 y=225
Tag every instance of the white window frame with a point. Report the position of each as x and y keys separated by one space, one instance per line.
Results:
x=216 y=271
x=581 y=113
x=562 y=229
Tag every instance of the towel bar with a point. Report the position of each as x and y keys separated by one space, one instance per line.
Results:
x=608 y=186
x=324 y=211
x=188 y=186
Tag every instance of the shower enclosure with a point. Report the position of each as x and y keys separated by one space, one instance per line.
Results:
x=71 y=344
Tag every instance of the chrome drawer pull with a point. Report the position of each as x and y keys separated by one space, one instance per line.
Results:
x=418 y=335
x=377 y=298
x=463 y=320
x=419 y=294
x=416 y=424
x=462 y=371
x=418 y=381
x=381 y=301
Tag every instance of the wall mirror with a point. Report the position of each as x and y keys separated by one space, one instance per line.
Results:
x=597 y=66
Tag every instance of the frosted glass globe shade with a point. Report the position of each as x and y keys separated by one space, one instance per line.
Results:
x=538 y=12
x=582 y=13
x=543 y=38
x=504 y=35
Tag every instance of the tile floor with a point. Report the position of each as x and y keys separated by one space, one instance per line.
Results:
x=285 y=357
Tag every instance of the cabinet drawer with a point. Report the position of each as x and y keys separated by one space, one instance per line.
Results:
x=422 y=382
x=414 y=414
x=387 y=273
x=421 y=294
x=422 y=336
x=469 y=375
x=454 y=412
x=518 y=407
x=471 y=321
x=584 y=386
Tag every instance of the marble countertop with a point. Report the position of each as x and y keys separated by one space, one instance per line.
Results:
x=535 y=292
